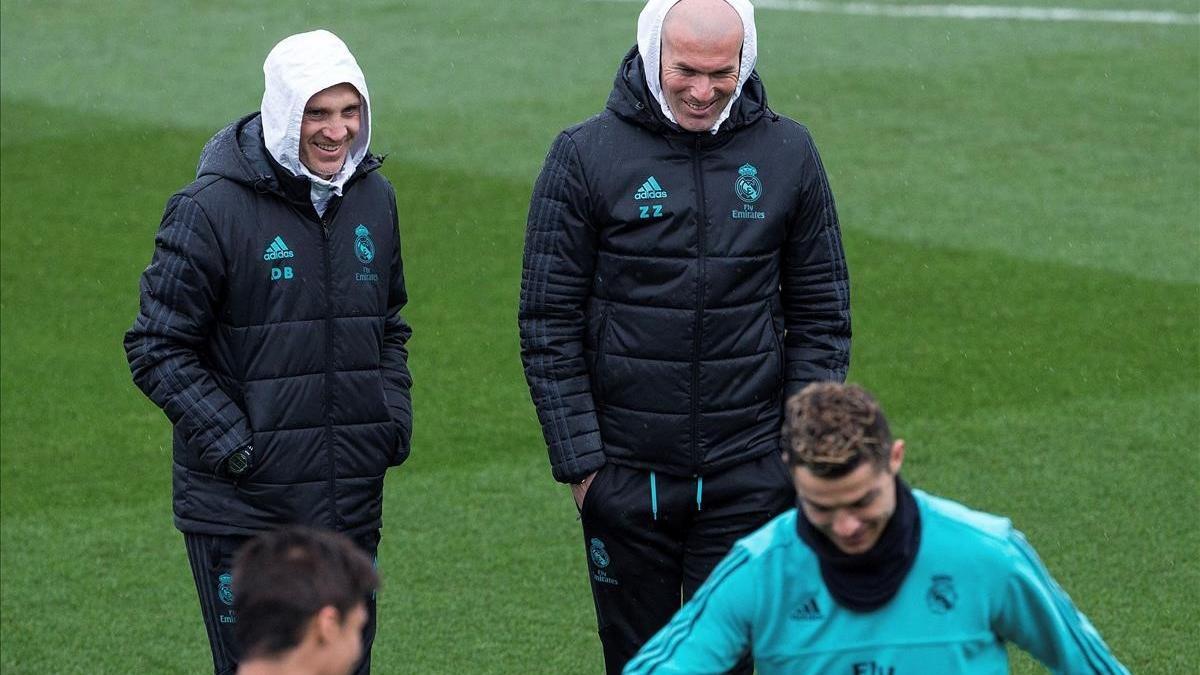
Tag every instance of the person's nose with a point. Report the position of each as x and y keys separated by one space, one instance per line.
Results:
x=845 y=525
x=704 y=92
x=336 y=132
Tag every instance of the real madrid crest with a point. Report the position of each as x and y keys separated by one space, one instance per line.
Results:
x=225 y=588
x=599 y=554
x=747 y=186
x=364 y=248
x=941 y=596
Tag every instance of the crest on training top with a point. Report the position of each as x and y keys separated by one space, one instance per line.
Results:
x=941 y=596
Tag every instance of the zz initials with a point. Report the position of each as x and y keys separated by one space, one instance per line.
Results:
x=650 y=211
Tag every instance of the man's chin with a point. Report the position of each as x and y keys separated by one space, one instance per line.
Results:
x=855 y=546
x=694 y=123
x=688 y=120
x=325 y=170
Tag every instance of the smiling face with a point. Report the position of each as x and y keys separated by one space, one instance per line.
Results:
x=701 y=54
x=331 y=122
x=853 y=509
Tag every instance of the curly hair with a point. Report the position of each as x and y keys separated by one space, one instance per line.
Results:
x=830 y=428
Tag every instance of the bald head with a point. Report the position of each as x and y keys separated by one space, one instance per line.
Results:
x=701 y=56
x=706 y=20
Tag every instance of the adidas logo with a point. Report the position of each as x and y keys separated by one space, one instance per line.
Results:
x=278 y=250
x=808 y=611
x=650 y=190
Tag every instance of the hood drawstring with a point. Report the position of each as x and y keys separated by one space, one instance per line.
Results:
x=261 y=184
x=653 y=496
x=699 y=492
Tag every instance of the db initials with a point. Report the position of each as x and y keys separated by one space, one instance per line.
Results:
x=278 y=273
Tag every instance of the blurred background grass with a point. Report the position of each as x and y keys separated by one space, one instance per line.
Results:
x=1021 y=209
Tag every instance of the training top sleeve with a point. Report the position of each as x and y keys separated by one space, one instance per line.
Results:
x=556 y=282
x=712 y=631
x=180 y=291
x=815 y=286
x=1038 y=616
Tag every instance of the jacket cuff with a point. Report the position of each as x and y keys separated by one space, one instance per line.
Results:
x=578 y=468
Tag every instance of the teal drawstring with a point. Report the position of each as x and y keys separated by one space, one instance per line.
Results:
x=653 y=496
x=699 y=492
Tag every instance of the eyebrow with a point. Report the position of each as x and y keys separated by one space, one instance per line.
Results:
x=720 y=71
x=322 y=109
x=866 y=497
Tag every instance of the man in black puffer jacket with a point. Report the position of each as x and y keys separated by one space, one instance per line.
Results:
x=270 y=329
x=683 y=273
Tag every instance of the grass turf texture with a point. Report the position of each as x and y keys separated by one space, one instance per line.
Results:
x=1020 y=208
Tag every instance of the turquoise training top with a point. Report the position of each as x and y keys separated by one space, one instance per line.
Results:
x=975 y=584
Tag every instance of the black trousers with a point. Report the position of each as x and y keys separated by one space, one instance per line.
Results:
x=211 y=559
x=652 y=539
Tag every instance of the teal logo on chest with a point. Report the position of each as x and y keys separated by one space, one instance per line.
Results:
x=650 y=189
x=364 y=248
x=748 y=189
x=278 y=250
x=364 y=252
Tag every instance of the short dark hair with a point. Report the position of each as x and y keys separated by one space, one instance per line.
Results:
x=830 y=428
x=281 y=579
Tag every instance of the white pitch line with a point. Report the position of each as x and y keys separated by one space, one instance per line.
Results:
x=976 y=12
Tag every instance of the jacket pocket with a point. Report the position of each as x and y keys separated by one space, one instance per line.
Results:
x=594 y=493
x=777 y=333
x=602 y=339
x=401 y=444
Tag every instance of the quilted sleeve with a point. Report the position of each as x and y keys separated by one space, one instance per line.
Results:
x=179 y=297
x=556 y=281
x=815 y=285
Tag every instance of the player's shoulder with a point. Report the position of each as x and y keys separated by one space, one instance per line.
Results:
x=597 y=124
x=952 y=514
x=959 y=530
x=785 y=127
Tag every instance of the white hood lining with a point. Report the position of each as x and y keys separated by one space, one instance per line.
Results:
x=649 y=41
x=296 y=69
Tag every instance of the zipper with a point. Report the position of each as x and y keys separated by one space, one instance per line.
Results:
x=337 y=522
x=700 y=283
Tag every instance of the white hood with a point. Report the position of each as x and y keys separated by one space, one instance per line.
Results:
x=649 y=41
x=298 y=67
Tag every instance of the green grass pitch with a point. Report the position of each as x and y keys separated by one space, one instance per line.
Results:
x=1021 y=212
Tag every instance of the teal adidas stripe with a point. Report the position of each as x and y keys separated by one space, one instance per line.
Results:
x=1090 y=644
x=669 y=641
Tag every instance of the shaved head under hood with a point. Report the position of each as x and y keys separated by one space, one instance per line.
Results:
x=649 y=41
x=297 y=68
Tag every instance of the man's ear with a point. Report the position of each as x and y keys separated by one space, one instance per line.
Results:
x=326 y=624
x=896 y=458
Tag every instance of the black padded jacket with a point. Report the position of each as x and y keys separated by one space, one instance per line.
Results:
x=676 y=286
x=263 y=323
